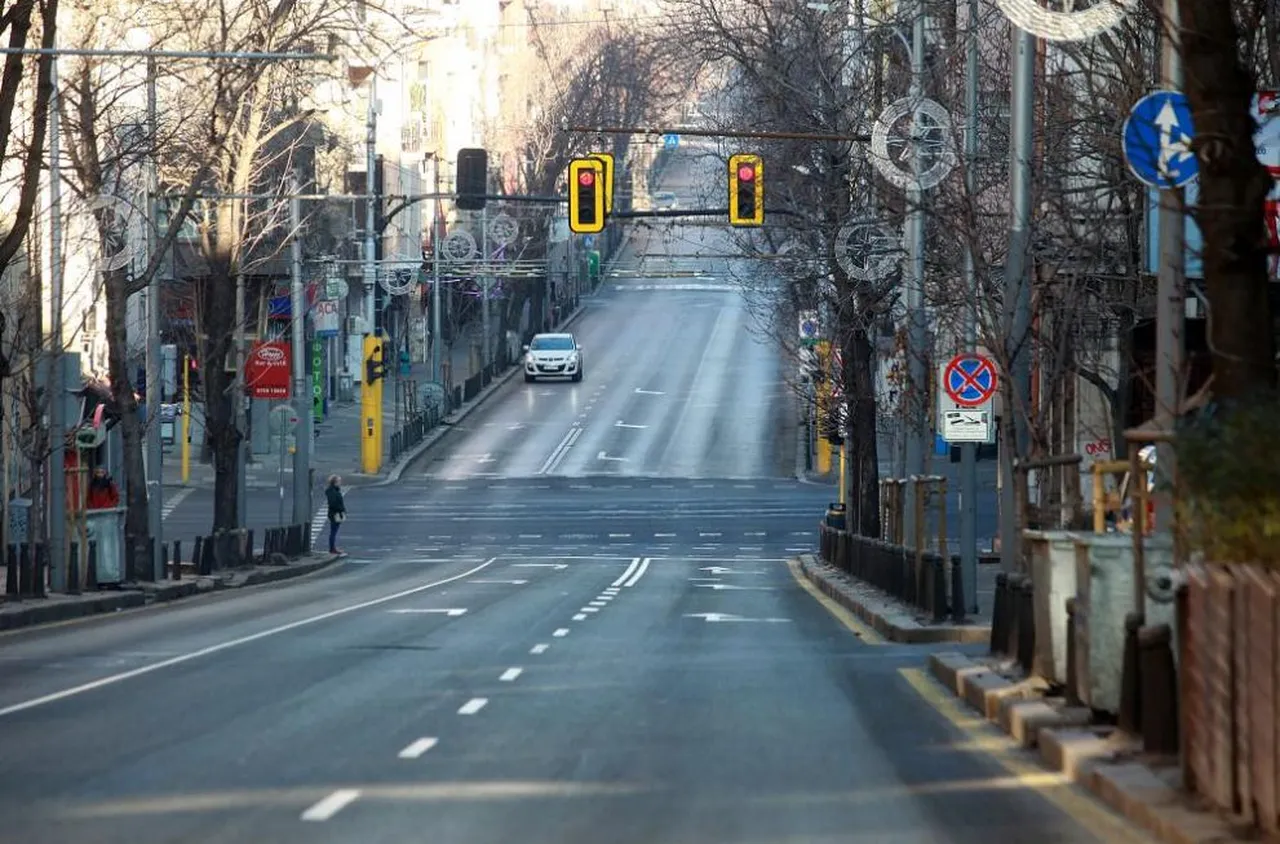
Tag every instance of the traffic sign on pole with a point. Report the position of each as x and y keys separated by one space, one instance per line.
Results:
x=809 y=328
x=969 y=380
x=1157 y=140
x=670 y=141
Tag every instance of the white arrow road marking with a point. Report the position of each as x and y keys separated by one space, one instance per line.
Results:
x=604 y=455
x=716 y=570
x=556 y=566
x=621 y=424
x=486 y=458
x=332 y=805
x=715 y=617
x=418 y=748
x=453 y=612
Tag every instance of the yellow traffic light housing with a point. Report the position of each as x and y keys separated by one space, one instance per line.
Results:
x=586 y=195
x=607 y=159
x=746 y=190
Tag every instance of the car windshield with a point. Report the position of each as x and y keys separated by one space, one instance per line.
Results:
x=552 y=344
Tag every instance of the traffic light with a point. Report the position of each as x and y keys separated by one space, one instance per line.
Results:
x=473 y=178
x=607 y=159
x=586 y=195
x=746 y=190
x=375 y=368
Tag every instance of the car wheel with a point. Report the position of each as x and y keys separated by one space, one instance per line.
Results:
x=577 y=376
x=529 y=379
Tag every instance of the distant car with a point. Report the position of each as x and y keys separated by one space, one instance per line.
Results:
x=665 y=201
x=553 y=356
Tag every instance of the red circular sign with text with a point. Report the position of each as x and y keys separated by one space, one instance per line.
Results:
x=970 y=380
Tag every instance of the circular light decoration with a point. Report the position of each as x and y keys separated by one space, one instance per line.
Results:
x=397 y=281
x=944 y=155
x=867 y=250
x=503 y=230
x=458 y=246
x=1031 y=16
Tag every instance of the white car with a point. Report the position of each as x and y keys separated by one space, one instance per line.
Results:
x=553 y=356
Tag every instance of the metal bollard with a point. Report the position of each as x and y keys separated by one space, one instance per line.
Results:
x=999 y=615
x=1014 y=630
x=176 y=572
x=91 y=567
x=38 y=567
x=73 y=569
x=195 y=554
x=1072 y=691
x=1026 y=624
x=11 y=572
x=1158 y=699
x=1130 y=715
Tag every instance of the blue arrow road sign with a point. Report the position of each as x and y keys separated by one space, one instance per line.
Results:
x=670 y=141
x=1157 y=140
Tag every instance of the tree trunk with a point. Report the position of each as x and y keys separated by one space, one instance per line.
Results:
x=218 y=320
x=1233 y=188
x=864 y=455
x=137 y=530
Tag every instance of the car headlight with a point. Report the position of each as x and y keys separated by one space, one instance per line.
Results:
x=573 y=357
x=528 y=358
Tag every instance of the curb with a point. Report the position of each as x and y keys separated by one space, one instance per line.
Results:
x=66 y=610
x=148 y=594
x=884 y=615
x=1101 y=760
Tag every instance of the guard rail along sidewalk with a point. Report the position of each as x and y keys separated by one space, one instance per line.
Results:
x=916 y=571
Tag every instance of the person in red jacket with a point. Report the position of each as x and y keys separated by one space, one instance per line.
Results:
x=103 y=493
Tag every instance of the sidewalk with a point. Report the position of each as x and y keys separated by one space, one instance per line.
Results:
x=336 y=446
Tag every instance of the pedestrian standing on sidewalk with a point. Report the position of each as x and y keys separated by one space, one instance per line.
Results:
x=337 y=511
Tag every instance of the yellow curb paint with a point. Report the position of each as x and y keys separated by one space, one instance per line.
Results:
x=1055 y=788
x=841 y=614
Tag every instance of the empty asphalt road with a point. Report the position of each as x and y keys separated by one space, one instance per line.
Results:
x=576 y=624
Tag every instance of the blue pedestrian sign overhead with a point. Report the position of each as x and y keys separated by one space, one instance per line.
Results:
x=670 y=141
x=1157 y=140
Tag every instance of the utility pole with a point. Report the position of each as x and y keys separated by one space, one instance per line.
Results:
x=969 y=451
x=437 y=324
x=917 y=379
x=370 y=163
x=484 y=291
x=1017 y=295
x=56 y=363
x=1171 y=290
x=298 y=337
x=155 y=390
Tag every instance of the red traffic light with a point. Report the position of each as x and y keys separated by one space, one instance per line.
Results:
x=586 y=178
x=746 y=173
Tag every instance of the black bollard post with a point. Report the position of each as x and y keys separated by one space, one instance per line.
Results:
x=38 y=562
x=1072 y=692
x=999 y=615
x=175 y=572
x=91 y=567
x=195 y=554
x=1158 y=700
x=1130 y=716
x=73 y=569
x=11 y=572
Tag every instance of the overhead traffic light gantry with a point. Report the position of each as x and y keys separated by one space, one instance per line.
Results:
x=607 y=159
x=746 y=190
x=586 y=195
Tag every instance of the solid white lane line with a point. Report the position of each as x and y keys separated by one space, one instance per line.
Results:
x=418 y=748
x=539 y=648
x=561 y=633
x=635 y=578
x=579 y=617
x=635 y=561
x=332 y=805
x=232 y=643
x=510 y=674
x=473 y=706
